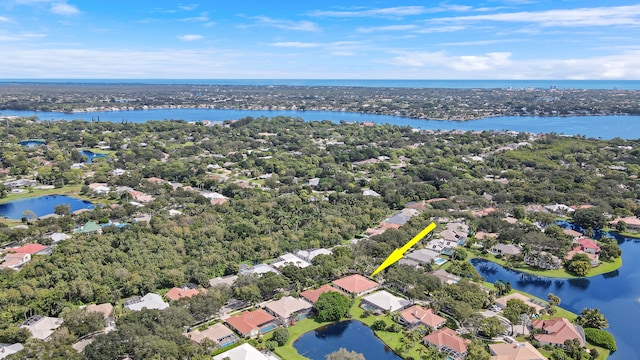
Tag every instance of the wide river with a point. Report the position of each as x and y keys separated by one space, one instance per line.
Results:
x=616 y=294
x=606 y=127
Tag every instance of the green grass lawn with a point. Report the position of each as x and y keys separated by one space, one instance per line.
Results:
x=71 y=190
x=603 y=268
x=391 y=339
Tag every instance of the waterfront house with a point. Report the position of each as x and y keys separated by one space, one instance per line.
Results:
x=631 y=221
x=221 y=335
x=381 y=301
x=89 y=228
x=288 y=309
x=252 y=323
x=505 y=250
x=416 y=315
x=356 y=285
x=313 y=295
x=243 y=352
x=501 y=302
x=556 y=331
x=448 y=342
x=542 y=260
x=515 y=351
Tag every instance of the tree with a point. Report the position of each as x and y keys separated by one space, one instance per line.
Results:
x=590 y=218
x=459 y=253
x=580 y=267
x=477 y=351
x=280 y=335
x=553 y=299
x=80 y=323
x=378 y=325
x=491 y=327
x=592 y=318
x=609 y=249
x=332 y=306
x=621 y=226
x=62 y=209
x=344 y=354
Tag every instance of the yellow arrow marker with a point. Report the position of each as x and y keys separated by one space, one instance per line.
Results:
x=397 y=253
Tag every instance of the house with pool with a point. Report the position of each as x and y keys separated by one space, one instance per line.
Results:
x=252 y=323
x=289 y=309
x=382 y=301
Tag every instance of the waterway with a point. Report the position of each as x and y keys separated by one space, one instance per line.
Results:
x=605 y=127
x=351 y=335
x=616 y=294
x=41 y=206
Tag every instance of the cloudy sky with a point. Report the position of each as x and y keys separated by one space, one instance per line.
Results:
x=311 y=39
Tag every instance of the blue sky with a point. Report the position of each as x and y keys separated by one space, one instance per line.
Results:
x=214 y=39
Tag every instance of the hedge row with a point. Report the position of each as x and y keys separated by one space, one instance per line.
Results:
x=600 y=338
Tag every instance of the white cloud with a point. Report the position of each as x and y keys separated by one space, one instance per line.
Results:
x=188 y=7
x=296 y=44
x=61 y=8
x=204 y=17
x=4 y=19
x=370 y=29
x=479 y=42
x=21 y=36
x=190 y=37
x=597 y=16
x=286 y=24
x=398 y=11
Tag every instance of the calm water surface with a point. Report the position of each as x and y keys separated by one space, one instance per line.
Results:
x=91 y=155
x=42 y=205
x=606 y=127
x=351 y=335
x=616 y=294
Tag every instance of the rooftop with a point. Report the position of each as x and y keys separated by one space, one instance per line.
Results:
x=314 y=295
x=249 y=320
x=355 y=284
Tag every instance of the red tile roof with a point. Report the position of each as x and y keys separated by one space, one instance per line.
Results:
x=355 y=284
x=556 y=330
x=418 y=314
x=448 y=338
x=588 y=244
x=178 y=293
x=313 y=295
x=248 y=321
x=29 y=249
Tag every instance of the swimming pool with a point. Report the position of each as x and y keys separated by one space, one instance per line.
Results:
x=439 y=261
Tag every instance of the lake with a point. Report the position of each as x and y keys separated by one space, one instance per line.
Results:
x=351 y=335
x=616 y=294
x=91 y=155
x=605 y=127
x=41 y=206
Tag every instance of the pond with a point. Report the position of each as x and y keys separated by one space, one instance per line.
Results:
x=91 y=155
x=616 y=294
x=351 y=335
x=41 y=206
x=32 y=143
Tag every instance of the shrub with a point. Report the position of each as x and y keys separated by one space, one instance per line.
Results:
x=378 y=325
x=600 y=338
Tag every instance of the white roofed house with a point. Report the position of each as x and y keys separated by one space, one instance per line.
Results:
x=149 y=301
x=41 y=327
x=382 y=301
x=289 y=309
x=308 y=255
x=290 y=259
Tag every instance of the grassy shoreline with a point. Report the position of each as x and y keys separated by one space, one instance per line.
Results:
x=562 y=273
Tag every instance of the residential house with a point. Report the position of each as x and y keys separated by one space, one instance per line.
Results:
x=314 y=294
x=447 y=341
x=356 y=285
x=308 y=255
x=559 y=209
x=501 y=302
x=89 y=228
x=445 y=277
x=140 y=196
x=99 y=188
x=224 y=280
x=288 y=309
x=257 y=269
x=14 y=261
x=542 y=260
x=41 y=327
x=221 y=335
x=290 y=259
x=442 y=246
x=32 y=249
x=149 y=301
x=9 y=349
x=243 y=352
x=574 y=234
x=381 y=301
x=402 y=216
x=423 y=256
x=505 y=250
x=118 y=172
x=155 y=180
x=631 y=221
x=587 y=247
x=177 y=293
x=416 y=315
x=515 y=351
x=106 y=310
x=252 y=323
x=556 y=331
x=56 y=237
